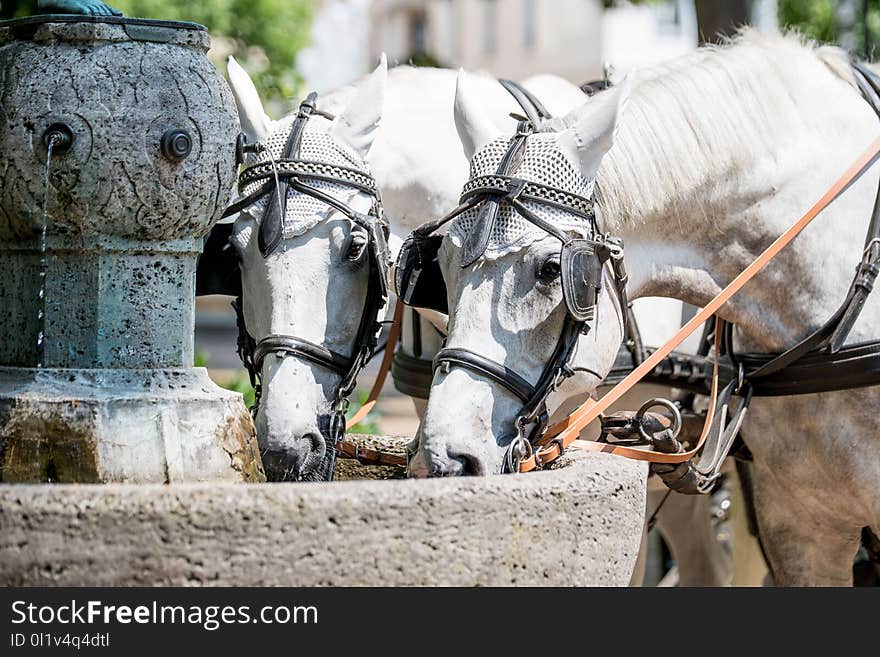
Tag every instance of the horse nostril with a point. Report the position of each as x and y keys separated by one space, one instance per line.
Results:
x=455 y=465
x=445 y=468
x=469 y=465
x=318 y=444
x=296 y=459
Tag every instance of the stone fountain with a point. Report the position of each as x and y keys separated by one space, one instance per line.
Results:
x=118 y=155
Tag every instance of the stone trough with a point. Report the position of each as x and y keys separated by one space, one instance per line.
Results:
x=579 y=524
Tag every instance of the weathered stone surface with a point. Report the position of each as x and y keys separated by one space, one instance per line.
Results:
x=125 y=220
x=580 y=524
x=125 y=213
x=119 y=95
x=131 y=426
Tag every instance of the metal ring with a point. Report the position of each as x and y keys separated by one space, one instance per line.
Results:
x=519 y=449
x=668 y=405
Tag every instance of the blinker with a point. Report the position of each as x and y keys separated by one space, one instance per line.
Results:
x=581 y=277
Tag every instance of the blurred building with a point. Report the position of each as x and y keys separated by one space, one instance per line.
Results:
x=634 y=36
x=339 y=51
x=510 y=38
x=640 y=35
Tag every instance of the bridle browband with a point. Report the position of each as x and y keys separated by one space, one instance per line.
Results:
x=293 y=173
x=582 y=263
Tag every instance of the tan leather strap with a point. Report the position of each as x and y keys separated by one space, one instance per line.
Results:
x=384 y=368
x=554 y=442
x=366 y=456
x=566 y=432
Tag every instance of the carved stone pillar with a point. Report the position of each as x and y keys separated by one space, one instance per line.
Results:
x=143 y=130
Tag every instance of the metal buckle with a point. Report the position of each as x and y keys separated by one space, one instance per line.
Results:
x=524 y=126
x=665 y=403
x=337 y=422
x=308 y=105
x=740 y=379
x=562 y=374
x=706 y=484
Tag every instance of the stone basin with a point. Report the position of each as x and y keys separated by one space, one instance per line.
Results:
x=578 y=524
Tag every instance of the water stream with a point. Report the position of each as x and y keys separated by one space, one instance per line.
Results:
x=41 y=295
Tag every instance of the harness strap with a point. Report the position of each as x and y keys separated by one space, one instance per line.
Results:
x=853 y=366
x=308 y=170
x=293 y=346
x=534 y=109
x=526 y=190
x=566 y=432
x=384 y=367
x=471 y=360
x=478 y=237
x=272 y=224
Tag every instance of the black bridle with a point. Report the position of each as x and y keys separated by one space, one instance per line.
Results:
x=582 y=262
x=293 y=173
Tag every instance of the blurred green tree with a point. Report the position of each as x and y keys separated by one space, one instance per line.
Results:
x=264 y=35
x=816 y=19
x=854 y=24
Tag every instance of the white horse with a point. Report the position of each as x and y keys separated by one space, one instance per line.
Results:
x=420 y=167
x=699 y=164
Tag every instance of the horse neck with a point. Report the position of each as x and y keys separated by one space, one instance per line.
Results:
x=691 y=239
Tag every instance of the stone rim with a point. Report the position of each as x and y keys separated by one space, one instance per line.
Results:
x=580 y=524
x=36 y=21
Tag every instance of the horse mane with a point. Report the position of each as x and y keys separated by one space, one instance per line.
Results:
x=689 y=124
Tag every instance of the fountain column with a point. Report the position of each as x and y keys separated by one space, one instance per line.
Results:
x=101 y=387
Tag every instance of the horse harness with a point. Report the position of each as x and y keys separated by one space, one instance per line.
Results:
x=219 y=273
x=276 y=178
x=419 y=281
x=819 y=363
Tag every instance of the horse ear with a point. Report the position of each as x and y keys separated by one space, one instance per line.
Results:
x=475 y=128
x=255 y=124
x=590 y=131
x=358 y=124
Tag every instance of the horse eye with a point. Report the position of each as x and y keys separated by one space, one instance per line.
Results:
x=550 y=269
x=357 y=246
